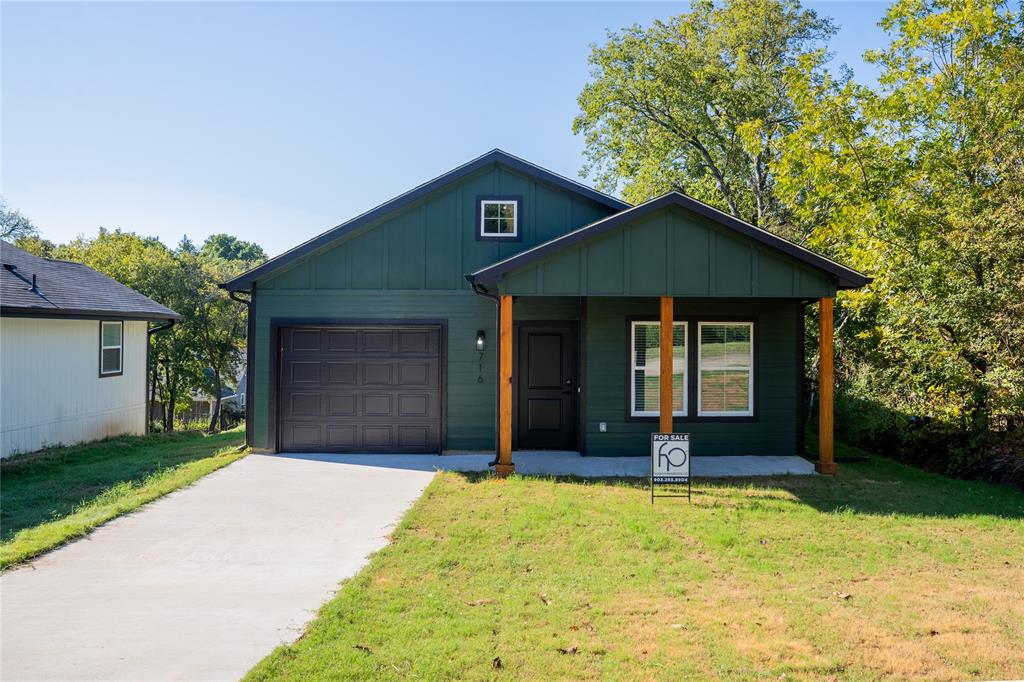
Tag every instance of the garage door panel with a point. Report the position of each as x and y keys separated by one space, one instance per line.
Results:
x=417 y=373
x=342 y=372
x=304 y=341
x=304 y=435
x=416 y=436
x=418 y=342
x=378 y=341
x=377 y=374
x=360 y=389
x=341 y=437
x=305 y=404
x=378 y=435
x=342 y=340
x=303 y=371
x=341 y=405
x=378 y=405
x=412 y=405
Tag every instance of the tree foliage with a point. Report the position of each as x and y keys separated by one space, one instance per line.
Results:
x=232 y=249
x=699 y=104
x=920 y=182
x=14 y=225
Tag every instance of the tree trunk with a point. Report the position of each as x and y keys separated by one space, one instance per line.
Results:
x=168 y=425
x=169 y=411
x=154 y=374
x=215 y=415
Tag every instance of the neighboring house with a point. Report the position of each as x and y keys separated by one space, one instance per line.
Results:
x=383 y=335
x=73 y=347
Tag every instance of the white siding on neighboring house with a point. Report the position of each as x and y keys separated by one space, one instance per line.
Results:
x=50 y=389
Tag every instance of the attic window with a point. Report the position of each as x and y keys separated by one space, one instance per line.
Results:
x=499 y=218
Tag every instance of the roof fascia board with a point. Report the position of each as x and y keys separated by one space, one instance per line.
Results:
x=83 y=314
x=495 y=156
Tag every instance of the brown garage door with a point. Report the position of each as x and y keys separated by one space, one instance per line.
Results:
x=360 y=389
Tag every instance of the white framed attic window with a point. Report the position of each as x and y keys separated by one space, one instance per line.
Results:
x=725 y=369
x=111 y=348
x=645 y=369
x=498 y=218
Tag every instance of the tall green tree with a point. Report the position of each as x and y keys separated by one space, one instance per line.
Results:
x=699 y=104
x=919 y=182
x=218 y=321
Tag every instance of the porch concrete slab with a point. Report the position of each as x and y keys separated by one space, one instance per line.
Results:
x=556 y=463
x=205 y=582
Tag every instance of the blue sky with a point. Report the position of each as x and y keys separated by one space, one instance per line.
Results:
x=276 y=121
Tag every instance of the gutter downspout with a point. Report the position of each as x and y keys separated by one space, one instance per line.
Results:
x=250 y=343
x=149 y=342
x=481 y=291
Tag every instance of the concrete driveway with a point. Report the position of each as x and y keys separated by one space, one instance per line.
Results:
x=203 y=583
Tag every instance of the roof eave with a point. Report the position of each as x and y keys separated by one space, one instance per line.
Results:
x=29 y=311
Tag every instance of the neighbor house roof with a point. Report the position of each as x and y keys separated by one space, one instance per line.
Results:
x=495 y=156
x=847 y=278
x=66 y=289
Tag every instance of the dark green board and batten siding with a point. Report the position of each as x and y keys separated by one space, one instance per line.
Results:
x=432 y=243
x=773 y=431
x=410 y=265
x=671 y=252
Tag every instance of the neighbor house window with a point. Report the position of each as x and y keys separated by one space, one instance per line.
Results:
x=111 y=347
x=725 y=369
x=499 y=218
x=645 y=370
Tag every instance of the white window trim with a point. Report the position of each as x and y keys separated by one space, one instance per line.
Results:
x=749 y=412
x=514 y=234
x=119 y=347
x=633 y=368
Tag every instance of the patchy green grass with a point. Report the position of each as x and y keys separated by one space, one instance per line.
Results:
x=61 y=494
x=881 y=572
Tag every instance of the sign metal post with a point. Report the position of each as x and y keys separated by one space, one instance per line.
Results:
x=670 y=462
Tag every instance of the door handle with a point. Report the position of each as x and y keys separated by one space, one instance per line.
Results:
x=568 y=386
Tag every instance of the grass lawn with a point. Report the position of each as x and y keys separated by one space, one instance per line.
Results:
x=882 y=572
x=60 y=494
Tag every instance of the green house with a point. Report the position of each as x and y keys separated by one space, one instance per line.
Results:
x=504 y=307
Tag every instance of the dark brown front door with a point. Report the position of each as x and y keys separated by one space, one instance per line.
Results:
x=360 y=388
x=546 y=402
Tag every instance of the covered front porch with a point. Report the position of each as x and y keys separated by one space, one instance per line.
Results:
x=667 y=317
x=589 y=386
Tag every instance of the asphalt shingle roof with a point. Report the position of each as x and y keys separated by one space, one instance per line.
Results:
x=66 y=288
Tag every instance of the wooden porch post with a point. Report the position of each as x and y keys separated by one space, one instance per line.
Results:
x=826 y=464
x=505 y=465
x=665 y=374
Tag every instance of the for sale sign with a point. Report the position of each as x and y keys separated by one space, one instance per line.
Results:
x=670 y=460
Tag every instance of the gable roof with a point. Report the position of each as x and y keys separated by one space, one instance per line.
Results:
x=495 y=156
x=67 y=289
x=847 y=278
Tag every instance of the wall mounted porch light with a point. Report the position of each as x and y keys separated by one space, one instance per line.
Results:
x=481 y=340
